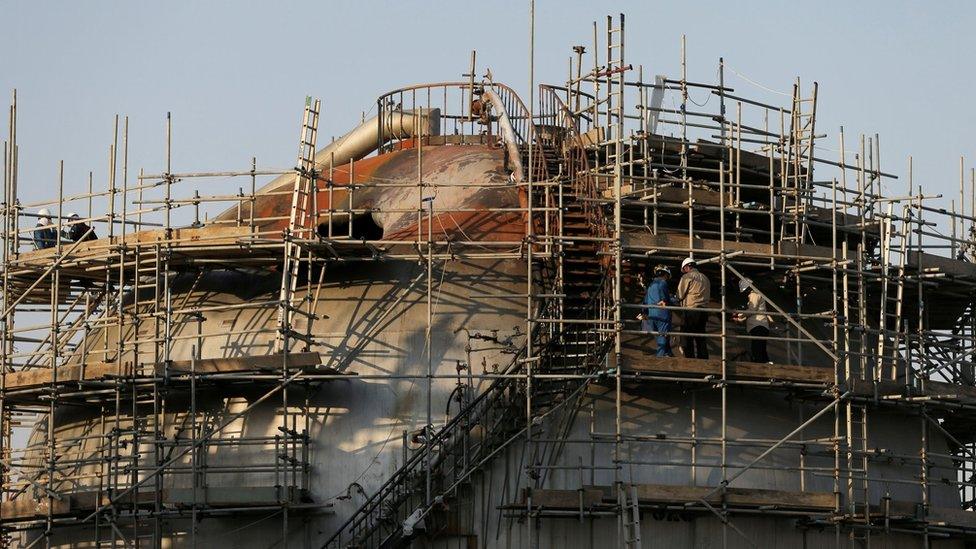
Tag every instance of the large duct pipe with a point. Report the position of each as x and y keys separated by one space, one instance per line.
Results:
x=366 y=137
x=508 y=133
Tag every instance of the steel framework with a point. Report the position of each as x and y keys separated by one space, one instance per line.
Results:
x=614 y=174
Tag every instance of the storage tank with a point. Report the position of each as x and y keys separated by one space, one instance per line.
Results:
x=460 y=363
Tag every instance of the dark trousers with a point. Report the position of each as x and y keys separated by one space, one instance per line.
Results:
x=758 y=346
x=695 y=346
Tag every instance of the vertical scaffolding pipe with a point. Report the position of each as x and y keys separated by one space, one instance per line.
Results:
x=351 y=189
x=962 y=209
x=55 y=337
x=110 y=221
x=954 y=244
x=596 y=79
x=5 y=349
x=799 y=200
x=471 y=75
x=921 y=294
x=721 y=102
x=429 y=267
x=618 y=250
x=693 y=413
x=684 y=116
x=972 y=209
x=737 y=202
x=10 y=215
x=169 y=172
x=111 y=184
x=862 y=213
x=971 y=239
x=253 y=199
x=123 y=376
x=195 y=484
x=784 y=168
x=846 y=379
x=530 y=244
x=158 y=396
x=924 y=475
x=162 y=271
x=909 y=347
x=104 y=477
x=724 y=340
x=14 y=176
x=165 y=273
x=772 y=206
x=613 y=129
x=684 y=149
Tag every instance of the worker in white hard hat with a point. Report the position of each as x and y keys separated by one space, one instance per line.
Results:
x=655 y=317
x=756 y=319
x=45 y=236
x=694 y=292
x=77 y=230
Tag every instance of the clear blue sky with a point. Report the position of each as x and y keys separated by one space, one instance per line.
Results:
x=235 y=74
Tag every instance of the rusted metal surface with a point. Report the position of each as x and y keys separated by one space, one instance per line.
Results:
x=460 y=178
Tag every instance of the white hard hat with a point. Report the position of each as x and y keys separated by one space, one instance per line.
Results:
x=43 y=212
x=744 y=284
x=687 y=261
x=72 y=215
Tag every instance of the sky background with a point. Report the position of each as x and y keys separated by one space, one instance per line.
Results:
x=235 y=74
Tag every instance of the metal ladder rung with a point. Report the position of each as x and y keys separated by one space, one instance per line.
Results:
x=298 y=219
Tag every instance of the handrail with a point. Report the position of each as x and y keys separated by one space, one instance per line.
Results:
x=574 y=155
x=470 y=414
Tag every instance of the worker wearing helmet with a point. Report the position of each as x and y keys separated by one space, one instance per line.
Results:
x=77 y=229
x=656 y=318
x=45 y=236
x=694 y=292
x=756 y=319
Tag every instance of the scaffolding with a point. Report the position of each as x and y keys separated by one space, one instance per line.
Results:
x=871 y=306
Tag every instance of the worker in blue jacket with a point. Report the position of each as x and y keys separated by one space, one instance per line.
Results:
x=657 y=319
x=45 y=236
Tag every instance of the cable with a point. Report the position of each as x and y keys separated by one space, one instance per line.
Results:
x=708 y=97
x=754 y=83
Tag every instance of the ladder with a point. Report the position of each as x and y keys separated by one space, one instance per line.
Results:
x=300 y=225
x=614 y=73
x=904 y=237
x=798 y=175
x=889 y=340
x=884 y=261
x=629 y=516
x=610 y=135
x=858 y=494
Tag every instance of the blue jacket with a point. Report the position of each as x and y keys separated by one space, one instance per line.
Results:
x=45 y=238
x=658 y=291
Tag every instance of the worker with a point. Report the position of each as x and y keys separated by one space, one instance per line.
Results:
x=77 y=230
x=756 y=319
x=694 y=293
x=45 y=236
x=656 y=318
